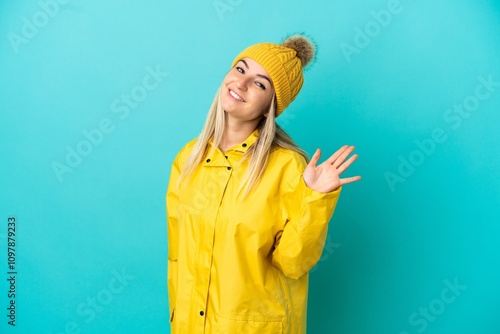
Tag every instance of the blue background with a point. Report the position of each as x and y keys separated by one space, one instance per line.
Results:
x=422 y=217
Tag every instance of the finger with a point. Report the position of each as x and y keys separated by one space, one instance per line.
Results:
x=335 y=155
x=315 y=158
x=348 y=180
x=340 y=160
x=342 y=168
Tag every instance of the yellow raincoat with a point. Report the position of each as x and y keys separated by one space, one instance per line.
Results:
x=241 y=266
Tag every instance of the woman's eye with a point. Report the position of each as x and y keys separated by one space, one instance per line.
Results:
x=261 y=85
x=239 y=69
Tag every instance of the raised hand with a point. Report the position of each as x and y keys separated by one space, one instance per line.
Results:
x=325 y=177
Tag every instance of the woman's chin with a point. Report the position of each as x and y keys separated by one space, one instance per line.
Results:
x=228 y=107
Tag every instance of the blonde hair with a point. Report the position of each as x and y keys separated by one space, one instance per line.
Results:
x=271 y=136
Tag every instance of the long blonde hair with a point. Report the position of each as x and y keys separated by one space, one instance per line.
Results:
x=271 y=136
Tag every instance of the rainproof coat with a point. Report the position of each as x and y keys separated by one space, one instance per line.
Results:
x=241 y=265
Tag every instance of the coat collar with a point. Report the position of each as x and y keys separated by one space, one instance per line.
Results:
x=245 y=145
x=234 y=153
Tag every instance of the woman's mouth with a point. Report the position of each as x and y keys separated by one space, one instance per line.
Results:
x=236 y=96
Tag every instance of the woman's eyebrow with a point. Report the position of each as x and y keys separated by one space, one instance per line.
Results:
x=264 y=77
x=259 y=75
x=244 y=62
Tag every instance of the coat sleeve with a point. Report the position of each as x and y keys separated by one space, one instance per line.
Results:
x=306 y=213
x=172 y=204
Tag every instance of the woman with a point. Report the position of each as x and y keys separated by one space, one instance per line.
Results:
x=247 y=214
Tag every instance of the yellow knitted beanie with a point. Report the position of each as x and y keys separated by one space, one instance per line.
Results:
x=284 y=63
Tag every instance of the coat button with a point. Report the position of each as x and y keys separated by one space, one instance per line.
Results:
x=202 y=313
x=208 y=160
x=244 y=144
x=228 y=168
x=226 y=156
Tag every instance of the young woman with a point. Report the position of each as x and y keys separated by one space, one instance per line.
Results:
x=247 y=211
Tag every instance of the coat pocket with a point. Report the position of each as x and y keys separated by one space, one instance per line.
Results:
x=249 y=325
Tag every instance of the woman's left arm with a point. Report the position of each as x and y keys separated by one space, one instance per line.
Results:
x=308 y=206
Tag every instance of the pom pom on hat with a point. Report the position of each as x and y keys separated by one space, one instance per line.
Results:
x=305 y=48
x=284 y=64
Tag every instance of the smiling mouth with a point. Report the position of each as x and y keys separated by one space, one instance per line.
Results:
x=236 y=96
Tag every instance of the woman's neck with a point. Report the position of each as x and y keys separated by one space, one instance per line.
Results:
x=235 y=133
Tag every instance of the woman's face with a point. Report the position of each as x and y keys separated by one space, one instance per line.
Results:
x=247 y=91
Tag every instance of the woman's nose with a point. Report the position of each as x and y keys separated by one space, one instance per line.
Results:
x=242 y=83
